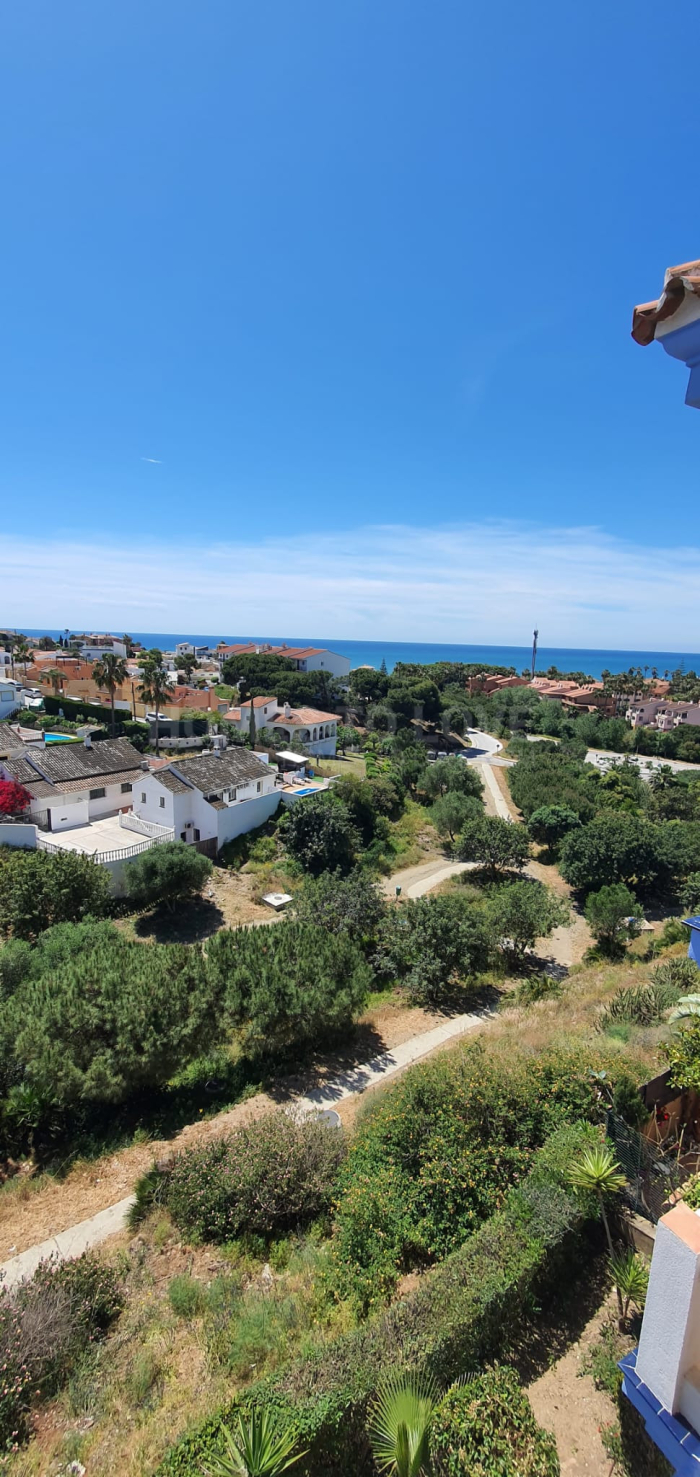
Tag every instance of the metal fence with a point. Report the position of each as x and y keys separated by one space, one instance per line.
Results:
x=120 y=854
x=652 y=1174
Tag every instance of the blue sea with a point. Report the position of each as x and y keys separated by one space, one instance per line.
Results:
x=372 y=653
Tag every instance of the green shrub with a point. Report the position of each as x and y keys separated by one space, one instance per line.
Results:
x=46 y=1326
x=186 y=1296
x=437 y=1155
x=646 y=1004
x=486 y=1428
x=275 y=1174
x=171 y=874
x=465 y=1313
x=535 y=987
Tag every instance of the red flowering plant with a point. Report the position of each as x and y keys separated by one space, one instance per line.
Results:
x=14 y=799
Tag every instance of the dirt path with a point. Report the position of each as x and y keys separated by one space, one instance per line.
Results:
x=566 y=1402
x=416 y=881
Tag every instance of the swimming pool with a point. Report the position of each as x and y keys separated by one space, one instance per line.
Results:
x=310 y=790
x=59 y=738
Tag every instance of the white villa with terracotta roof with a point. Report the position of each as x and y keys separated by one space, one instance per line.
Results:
x=303 y=658
x=317 y=731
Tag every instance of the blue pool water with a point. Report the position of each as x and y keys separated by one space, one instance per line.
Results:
x=310 y=790
x=58 y=738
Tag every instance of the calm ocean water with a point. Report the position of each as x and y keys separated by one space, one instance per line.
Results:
x=567 y=659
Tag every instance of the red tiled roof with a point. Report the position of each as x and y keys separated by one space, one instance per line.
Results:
x=678 y=283
x=305 y=716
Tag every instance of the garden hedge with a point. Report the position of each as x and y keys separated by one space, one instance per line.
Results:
x=487 y=1428
x=468 y=1311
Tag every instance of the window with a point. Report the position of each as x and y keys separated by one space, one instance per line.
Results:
x=183 y=835
x=143 y=797
x=196 y=834
x=161 y=802
x=259 y=786
x=97 y=794
x=126 y=788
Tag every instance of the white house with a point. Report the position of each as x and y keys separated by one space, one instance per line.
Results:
x=315 y=659
x=303 y=658
x=211 y=797
x=73 y=784
x=92 y=648
x=317 y=731
x=10 y=699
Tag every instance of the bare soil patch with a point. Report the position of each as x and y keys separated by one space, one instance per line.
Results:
x=565 y=1401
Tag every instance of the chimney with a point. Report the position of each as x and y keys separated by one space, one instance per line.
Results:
x=88 y=741
x=287 y=711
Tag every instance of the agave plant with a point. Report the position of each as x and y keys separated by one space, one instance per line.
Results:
x=631 y=1279
x=596 y=1170
x=399 y=1424
x=260 y=1448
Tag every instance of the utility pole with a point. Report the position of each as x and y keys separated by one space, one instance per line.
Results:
x=534 y=655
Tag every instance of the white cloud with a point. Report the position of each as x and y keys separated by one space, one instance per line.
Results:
x=474 y=583
x=154 y=459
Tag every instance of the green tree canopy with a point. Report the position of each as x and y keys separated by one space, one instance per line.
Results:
x=319 y=833
x=551 y=823
x=112 y=1021
x=495 y=843
x=608 y=912
x=430 y=944
x=525 y=911
x=368 y=684
x=352 y=905
x=38 y=889
x=171 y=873
x=613 y=848
x=452 y=811
x=287 y=985
x=451 y=776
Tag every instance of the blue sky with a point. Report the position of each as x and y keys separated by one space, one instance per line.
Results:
x=296 y=288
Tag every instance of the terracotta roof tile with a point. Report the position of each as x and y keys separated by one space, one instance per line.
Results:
x=679 y=282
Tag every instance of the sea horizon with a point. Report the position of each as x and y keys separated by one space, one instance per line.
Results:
x=371 y=653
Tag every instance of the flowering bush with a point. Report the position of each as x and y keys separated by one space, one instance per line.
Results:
x=13 y=798
x=45 y=1326
x=277 y=1173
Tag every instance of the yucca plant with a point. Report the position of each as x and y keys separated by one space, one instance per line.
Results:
x=399 y=1424
x=631 y=1279
x=260 y=1448
x=597 y=1171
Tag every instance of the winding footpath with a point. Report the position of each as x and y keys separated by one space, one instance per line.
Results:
x=89 y=1233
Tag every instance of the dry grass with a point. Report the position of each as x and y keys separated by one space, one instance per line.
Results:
x=158 y=1373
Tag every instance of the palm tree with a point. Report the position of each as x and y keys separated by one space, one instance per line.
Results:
x=56 y=679
x=21 y=653
x=259 y=1449
x=688 y=1006
x=154 y=684
x=109 y=673
x=598 y=1172
x=399 y=1424
x=631 y=1280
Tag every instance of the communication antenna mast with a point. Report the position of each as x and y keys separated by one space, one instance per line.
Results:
x=534 y=654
